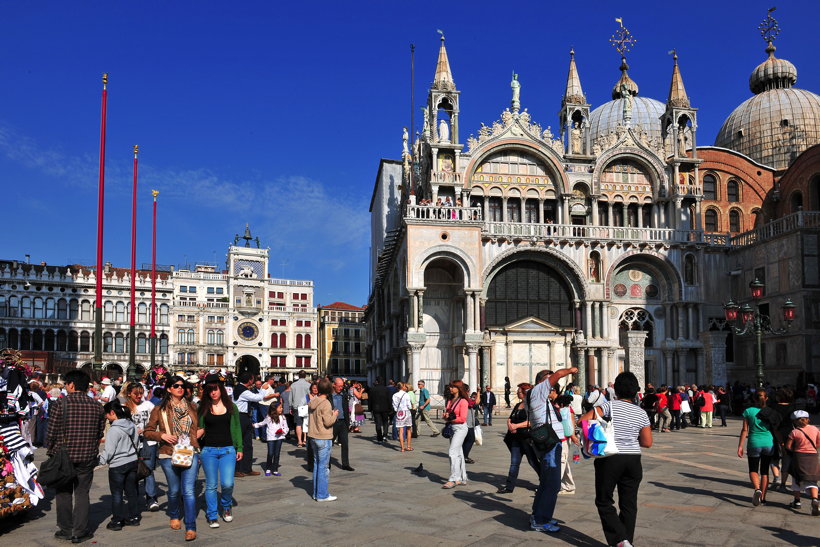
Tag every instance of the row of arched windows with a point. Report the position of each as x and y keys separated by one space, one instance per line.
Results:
x=38 y=307
x=279 y=340
x=711 y=190
x=711 y=220
x=73 y=341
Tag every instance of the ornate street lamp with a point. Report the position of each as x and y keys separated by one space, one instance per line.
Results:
x=754 y=322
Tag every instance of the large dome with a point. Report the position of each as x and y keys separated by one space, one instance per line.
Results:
x=646 y=114
x=779 y=122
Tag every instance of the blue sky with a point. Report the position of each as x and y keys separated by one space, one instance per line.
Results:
x=277 y=113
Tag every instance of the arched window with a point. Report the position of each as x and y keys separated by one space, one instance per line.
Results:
x=180 y=336
x=709 y=187
x=108 y=342
x=38 y=308
x=710 y=220
x=732 y=191
x=513 y=210
x=51 y=310
x=119 y=343
x=220 y=338
x=307 y=341
x=298 y=340
x=73 y=339
x=734 y=221
x=211 y=339
x=85 y=341
x=108 y=307
x=689 y=270
x=25 y=307
x=163 y=314
x=495 y=209
x=163 y=344
x=191 y=337
x=14 y=307
x=595 y=267
x=527 y=288
x=796 y=202
x=274 y=340
x=62 y=309
x=142 y=344
x=62 y=341
x=73 y=309
x=120 y=312
x=142 y=313
x=85 y=310
x=283 y=343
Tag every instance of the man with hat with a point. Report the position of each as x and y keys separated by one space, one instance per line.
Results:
x=108 y=393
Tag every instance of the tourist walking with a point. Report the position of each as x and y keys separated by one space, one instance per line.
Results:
x=276 y=427
x=759 y=447
x=707 y=407
x=455 y=414
x=140 y=409
x=120 y=455
x=803 y=442
x=541 y=411
x=322 y=422
x=507 y=390
x=244 y=398
x=622 y=470
x=662 y=408
x=380 y=404
x=76 y=424
x=173 y=423
x=220 y=436
x=424 y=408
x=568 y=420
x=518 y=427
x=298 y=397
x=724 y=404
x=341 y=402
x=356 y=410
x=487 y=405
x=401 y=406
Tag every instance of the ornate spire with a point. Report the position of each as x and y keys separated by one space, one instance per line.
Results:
x=573 y=94
x=677 y=93
x=623 y=41
x=444 y=77
x=773 y=73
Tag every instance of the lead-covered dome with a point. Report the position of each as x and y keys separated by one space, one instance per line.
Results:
x=646 y=114
x=779 y=122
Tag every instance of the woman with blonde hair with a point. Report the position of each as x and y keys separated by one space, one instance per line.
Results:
x=404 y=420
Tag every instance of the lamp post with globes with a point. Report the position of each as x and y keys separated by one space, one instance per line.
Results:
x=752 y=321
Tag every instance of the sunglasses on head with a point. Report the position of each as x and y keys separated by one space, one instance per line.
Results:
x=178 y=386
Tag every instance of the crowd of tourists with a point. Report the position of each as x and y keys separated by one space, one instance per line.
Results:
x=209 y=422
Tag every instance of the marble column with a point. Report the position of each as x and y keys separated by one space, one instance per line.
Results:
x=690 y=322
x=605 y=320
x=565 y=204
x=554 y=355
x=683 y=367
x=681 y=322
x=700 y=367
x=469 y=314
x=584 y=376
x=415 y=356
x=668 y=362
x=540 y=211
x=588 y=333
x=714 y=343
x=508 y=345
x=677 y=220
x=635 y=344
x=487 y=368
x=593 y=371
x=595 y=220
x=472 y=355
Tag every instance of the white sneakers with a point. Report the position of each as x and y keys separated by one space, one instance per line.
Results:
x=329 y=498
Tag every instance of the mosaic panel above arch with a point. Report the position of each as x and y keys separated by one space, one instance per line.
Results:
x=636 y=282
x=512 y=166
x=625 y=176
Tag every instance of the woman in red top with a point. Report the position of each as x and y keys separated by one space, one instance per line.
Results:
x=674 y=400
x=708 y=407
x=456 y=415
x=663 y=409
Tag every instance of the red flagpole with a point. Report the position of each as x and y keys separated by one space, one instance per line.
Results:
x=153 y=337
x=98 y=311
x=132 y=346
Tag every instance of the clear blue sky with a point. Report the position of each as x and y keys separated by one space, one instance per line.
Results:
x=277 y=113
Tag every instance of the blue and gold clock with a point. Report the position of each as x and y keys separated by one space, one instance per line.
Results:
x=247 y=331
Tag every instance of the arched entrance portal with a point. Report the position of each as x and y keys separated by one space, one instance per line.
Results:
x=247 y=363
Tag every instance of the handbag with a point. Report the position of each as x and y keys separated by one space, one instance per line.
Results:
x=599 y=437
x=543 y=438
x=143 y=471
x=479 y=435
x=447 y=431
x=58 y=470
x=684 y=407
x=302 y=411
x=358 y=409
x=183 y=452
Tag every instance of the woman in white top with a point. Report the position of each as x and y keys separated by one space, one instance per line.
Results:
x=632 y=431
x=401 y=405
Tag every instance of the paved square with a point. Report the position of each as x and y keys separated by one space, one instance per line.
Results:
x=695 y=492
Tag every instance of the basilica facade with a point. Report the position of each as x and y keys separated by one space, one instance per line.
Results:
x=609 y=244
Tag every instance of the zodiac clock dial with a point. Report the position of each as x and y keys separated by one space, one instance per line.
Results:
x=247 y=331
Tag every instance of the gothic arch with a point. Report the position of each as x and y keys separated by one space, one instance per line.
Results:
x=665 y=268
x=654 y=167
x=575 y=277
x=553 y=161
x=467 y=265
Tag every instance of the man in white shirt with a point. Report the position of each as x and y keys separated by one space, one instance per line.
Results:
x=298 y=396
x=242 y=395
x=108 y=393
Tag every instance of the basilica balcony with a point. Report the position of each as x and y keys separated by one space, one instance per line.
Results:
x=603 y=234
x=688 y=190
x=775 y=228
x=445 y=177
x=436 y=214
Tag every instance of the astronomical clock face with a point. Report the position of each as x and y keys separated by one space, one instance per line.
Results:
x=247 y=331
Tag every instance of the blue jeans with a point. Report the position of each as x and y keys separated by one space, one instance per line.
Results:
x=259 y=413
x=543 y=505
x=148 y=453
x=219 y=463
x=321 y=472
x=519 y=449
x=181 y=482
x=274 y=448
x=488 y=415
x=123 y=478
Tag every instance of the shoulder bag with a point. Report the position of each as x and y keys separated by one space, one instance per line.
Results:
x=543 y=438
x=183 y=453
x=58 y=470
x=142 y=470
x=599 y=436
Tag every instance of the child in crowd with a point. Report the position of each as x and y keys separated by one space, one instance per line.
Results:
x=277 y=429
x=803 y=441
x=120 y=454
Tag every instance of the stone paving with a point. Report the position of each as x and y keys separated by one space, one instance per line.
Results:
x=695 y=491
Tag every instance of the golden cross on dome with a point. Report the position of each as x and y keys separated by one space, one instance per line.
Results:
x=769 y=29
x=622 y=40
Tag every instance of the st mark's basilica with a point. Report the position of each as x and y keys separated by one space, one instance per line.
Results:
x=610 y=244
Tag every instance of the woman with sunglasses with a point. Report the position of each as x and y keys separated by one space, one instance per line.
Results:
x=173 y=418
x=221 y=441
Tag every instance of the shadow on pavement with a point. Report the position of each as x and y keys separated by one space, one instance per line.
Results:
x=733 y=482
x=790 y=537
x=728 y=498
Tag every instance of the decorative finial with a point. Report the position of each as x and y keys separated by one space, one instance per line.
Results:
x=769 y=29
x=155 y=193
x=674 y=54
x=440 y=32
x=572 y=53
x=622 y=40
x=105 y=80
x=136 y=150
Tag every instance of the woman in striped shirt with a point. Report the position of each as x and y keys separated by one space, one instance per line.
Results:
x=632 y=431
